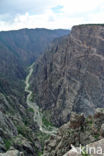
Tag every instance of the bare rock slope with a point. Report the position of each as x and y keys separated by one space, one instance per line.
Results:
x=70 y=75
x=78 y=132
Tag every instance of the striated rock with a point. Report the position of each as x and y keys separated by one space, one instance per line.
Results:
x=78 y=131
x=7 y=125
x=24 y=145
x=18 y=50
x=76 y=120
x=2 y=146
x=70 y=75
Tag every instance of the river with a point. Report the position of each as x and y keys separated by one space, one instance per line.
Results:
x=37 y=114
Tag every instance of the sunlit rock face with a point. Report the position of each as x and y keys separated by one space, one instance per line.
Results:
x=79 y=132
x=70 y=75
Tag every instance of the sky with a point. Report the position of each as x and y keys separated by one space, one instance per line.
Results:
x=52 y=14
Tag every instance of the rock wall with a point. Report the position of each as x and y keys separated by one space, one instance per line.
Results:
x=78 y=131
x=70 y=75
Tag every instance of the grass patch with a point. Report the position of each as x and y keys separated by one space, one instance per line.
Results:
x=26 y=122
x=25 y=132
x=89 y=121
x=40 y=153
x=22 y=130
x=46 y=122
x=33 y=97
x=96 y=136
x=31 y=110
x=84 y=153
x=8 y=143
x=42 y=137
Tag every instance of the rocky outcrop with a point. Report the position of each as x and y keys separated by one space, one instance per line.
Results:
x=24 y=145
x=15 y=120
x=76 y=120
x=93 y=149
x=12 y=153
x=78 y=131
x=7 y=126
x=69 y=77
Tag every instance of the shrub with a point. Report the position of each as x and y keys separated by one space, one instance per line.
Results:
x=7 y=143
x=31 y=110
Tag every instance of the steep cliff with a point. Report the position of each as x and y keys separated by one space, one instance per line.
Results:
x=69 y=76
x=18 y=49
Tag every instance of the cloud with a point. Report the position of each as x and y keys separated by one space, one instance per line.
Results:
x=23 y=6
x=80 y=6
x=16 y=14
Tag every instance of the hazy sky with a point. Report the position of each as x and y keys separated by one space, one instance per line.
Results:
x=16 y=14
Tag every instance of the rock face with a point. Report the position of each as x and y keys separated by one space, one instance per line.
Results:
x=94 y=149
x=27 y=44
x=19 y=49
x=79 y=131
x=69 y=77
x=12 y=153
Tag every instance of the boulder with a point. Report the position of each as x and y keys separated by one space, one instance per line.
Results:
x=12 y=153
x=76 y=120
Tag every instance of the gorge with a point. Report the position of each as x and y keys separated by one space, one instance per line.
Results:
x=51 y=90
x=32 y=105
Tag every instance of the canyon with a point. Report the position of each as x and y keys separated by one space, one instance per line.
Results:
x=51 y=90
x=69 y=76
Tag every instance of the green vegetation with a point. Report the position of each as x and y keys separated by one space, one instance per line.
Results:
x=26 y=132
x=22 y=129
x=84 y=153
x=97 y=136
x=46 y=122
x=40 y=153
x=8 y=143
x=32 y=98
x=89 y=121
x=26 y=122
x=42 y=137
x=31 y=110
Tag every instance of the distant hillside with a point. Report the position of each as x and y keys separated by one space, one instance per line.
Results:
x=28 y=44
x=19 y=49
